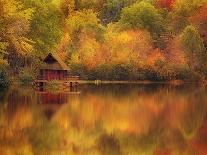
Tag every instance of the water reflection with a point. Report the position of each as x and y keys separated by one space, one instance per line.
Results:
x=105 y=120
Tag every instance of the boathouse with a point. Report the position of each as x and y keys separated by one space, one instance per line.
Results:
x=53 y=68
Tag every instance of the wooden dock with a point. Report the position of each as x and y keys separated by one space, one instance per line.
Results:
x=68 y=84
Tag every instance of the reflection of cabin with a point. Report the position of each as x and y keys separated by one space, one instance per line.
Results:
x=53 y=98
x=53 y=68
x=51 y=103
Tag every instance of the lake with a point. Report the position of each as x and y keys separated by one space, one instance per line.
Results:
x=118 y=119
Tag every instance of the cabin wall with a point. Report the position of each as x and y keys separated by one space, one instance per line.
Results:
x=54 y=74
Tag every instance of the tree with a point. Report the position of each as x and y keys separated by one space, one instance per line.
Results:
x=182 y=9
x=143 y=15
x=194 y=47
x=15 y=25
x=83 y=22
x=46 y=28
x=111 y=9
x=67 y=7
x=199 y=17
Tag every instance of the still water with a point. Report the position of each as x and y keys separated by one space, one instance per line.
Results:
x=105 y=120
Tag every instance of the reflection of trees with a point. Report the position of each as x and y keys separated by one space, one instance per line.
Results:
x=24 y=128
x=45 y=138
x=136 y=120
x=21 y=96
x=193 y=117
x=174 y=108
x=3 y=98
x=108 y=144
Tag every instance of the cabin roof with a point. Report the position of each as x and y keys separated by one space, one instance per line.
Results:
x=58 y=65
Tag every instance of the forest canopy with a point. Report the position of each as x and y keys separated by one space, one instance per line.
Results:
x=107 y=39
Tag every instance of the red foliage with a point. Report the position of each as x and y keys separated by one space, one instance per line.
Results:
x=199 y=17
x=165 y=3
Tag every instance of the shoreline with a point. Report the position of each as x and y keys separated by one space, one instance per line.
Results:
x=173 y=82
x=146 y=82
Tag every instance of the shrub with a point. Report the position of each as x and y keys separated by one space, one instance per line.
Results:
x=26 y=76
x=53 y=85
x=79 y=70
x=4 y=78
x=165 y=71
x=120 y=72
x=187 y=74
x=101 y=72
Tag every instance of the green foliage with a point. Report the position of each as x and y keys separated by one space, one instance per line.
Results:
x=102 y=72
x=112 y=9
x=188 y=74
x=45 y=26
x=194 y=47
x=78 y=69
x=26 y=76
x=143 y=15
x=120 y=72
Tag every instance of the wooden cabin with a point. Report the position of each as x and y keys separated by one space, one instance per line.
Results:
x=53 y=68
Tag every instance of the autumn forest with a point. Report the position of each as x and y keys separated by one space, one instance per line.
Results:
x=103 y=77
x=156 y=40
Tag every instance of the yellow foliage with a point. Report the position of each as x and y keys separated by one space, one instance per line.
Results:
x=128 y=46
x=89 y=52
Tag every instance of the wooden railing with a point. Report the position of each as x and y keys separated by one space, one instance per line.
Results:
x=74 y=78
x=40 y=78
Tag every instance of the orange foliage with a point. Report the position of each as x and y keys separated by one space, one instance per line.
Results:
x=174 y=53
x=154 y=56
x=125 y=47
